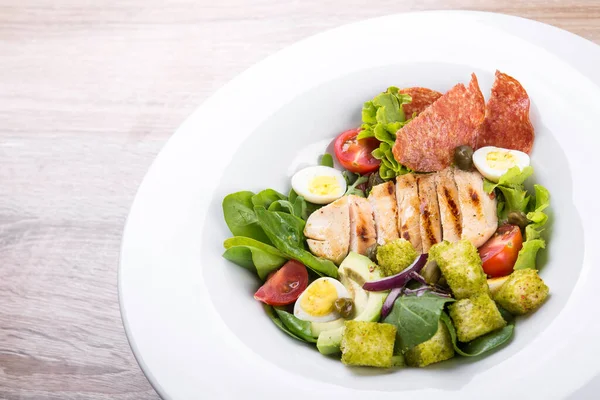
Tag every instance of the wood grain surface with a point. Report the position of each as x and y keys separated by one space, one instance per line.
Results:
x=89 y=92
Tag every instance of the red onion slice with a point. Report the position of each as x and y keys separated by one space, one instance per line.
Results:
x=398 y=280
x=388 y=304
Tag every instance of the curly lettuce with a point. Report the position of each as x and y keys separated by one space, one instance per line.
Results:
x=533 y=232
x=513 y=196
x=382 y=117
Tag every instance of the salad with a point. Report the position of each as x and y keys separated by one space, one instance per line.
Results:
x=415 y=242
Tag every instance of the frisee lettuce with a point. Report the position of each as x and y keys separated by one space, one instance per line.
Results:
x=513 y=196
x=382 y=117
x=533 y=232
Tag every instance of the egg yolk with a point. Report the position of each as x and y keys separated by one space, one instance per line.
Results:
x=500 y=160
x=324 y=185
x=318 y=299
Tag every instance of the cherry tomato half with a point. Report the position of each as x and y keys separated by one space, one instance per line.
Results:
x=355 y=155
x=285 y=285
x=499 y=254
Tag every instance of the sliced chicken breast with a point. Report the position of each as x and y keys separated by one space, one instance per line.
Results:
x=407 y=198
x=450 y=215
x=478 y=209
x=383 y=202
x=363 y=237
x=328 y=231
x=431 y=227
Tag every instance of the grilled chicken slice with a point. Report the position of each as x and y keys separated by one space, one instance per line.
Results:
x=383 y=202
x=478 y=209
x=328 y=231
x=431 y=228
x=450 y=215
x=363 y=237
x=407 y=198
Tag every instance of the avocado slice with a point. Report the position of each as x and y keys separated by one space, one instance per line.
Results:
x=355 y=270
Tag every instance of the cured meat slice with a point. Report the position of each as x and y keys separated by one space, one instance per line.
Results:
x=507 y=121
x=421 y=99
x=427 y=143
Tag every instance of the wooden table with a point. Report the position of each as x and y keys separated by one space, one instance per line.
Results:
x=90 y=90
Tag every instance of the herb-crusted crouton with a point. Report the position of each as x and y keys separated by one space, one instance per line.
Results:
x=369 y=344
x=436 y=349
x=523 y=292
x=461 y=266
x=395 y=256
x=475 y=317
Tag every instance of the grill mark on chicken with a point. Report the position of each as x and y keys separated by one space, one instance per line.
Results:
x=430 y=224
x=476 y=201
x=428 y=227
x=454 y=210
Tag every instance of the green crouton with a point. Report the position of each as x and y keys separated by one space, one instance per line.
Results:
x=523 y=292
x=475 y=317
x=395 y=256
x=369 y=344
x=461 y=266
x=436 y=349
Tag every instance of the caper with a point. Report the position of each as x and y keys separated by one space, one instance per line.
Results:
x=463 y=157
x=344 y=307
x=518 y=218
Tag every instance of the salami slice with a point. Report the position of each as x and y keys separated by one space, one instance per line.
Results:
x=507 y=121
x=427 y=143
x=421 y=99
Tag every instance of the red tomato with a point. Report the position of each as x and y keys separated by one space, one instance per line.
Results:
x=499 y=254
x=355 y=155
x=284 y=286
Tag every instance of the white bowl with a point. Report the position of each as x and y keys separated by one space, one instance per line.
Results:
x=189 y=314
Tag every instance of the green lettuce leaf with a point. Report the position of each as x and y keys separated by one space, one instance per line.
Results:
x=286 y=233
x=238 y=211
x=382 y=117
x=327 y=160
x=296 y=326
x=514 y=195
x=528 y=254
x=416 y=318
x=278 y=323
x=482 y=344
x=533 y=232
x=253 y=255
x=353 y=180
x=265 y=197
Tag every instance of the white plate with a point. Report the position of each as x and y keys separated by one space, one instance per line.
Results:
x=189 y=314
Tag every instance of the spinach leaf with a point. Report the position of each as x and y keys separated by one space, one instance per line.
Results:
x=269 y=310
x=238 y=211
x=296 y=326
x=253 y=255
x=327 y=160
x=282 y=205
x=416 y=318
x=482 y=344
x=266 y=197
x=285 y=231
